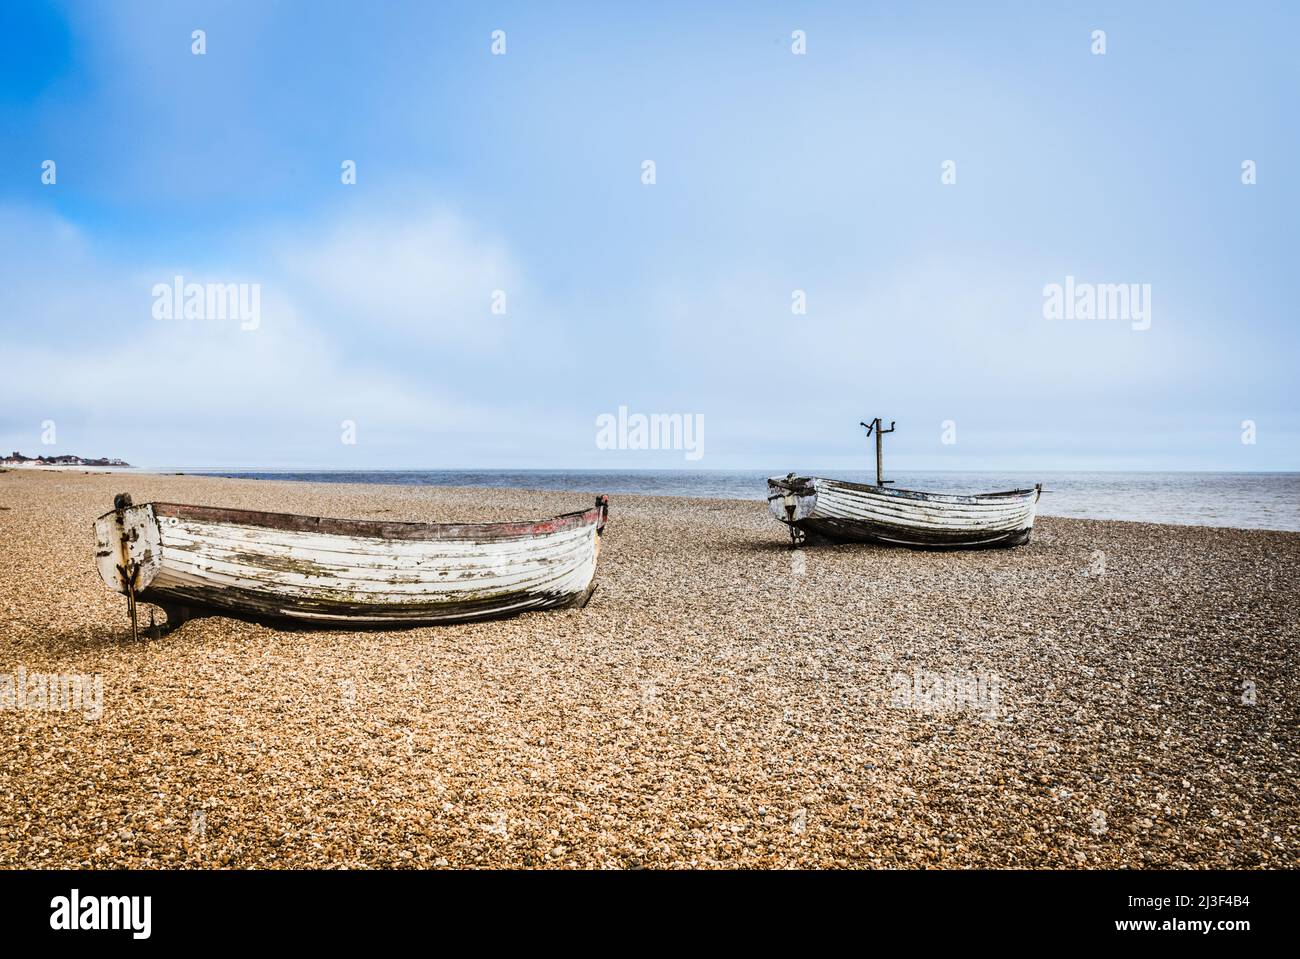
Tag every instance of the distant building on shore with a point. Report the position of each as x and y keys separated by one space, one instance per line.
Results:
x=18 y=459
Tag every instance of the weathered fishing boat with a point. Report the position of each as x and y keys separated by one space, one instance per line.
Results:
x=860 y=512
x=857 y=512
x=192 y=560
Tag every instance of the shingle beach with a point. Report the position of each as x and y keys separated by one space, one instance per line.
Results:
x=1113 y=694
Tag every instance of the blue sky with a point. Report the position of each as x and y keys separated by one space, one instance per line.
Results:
x=775 y=172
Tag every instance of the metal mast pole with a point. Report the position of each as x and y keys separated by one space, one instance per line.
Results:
x=880 y=446
x=875 y=427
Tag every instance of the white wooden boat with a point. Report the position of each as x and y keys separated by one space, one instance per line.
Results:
x=857 y=512
x=200 y=559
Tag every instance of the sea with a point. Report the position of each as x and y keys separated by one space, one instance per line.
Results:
x=1240 y=500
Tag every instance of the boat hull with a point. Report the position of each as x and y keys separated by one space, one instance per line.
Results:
x=195 y=559
x=855 y=512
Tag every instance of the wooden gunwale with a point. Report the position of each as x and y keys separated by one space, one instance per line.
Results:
x=379 y=529
x=968 y=499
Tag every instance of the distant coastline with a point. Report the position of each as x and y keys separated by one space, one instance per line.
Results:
x=18 y=460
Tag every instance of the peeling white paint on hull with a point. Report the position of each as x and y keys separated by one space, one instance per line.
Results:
x=191 y=559
x=856 y=512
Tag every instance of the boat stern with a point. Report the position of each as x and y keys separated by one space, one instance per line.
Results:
x=791 y=498
x=128 y=546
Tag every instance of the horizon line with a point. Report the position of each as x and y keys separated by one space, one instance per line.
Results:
x=677 y=469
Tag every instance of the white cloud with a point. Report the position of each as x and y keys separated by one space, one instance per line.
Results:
x=426 y=274
x=83 y=348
